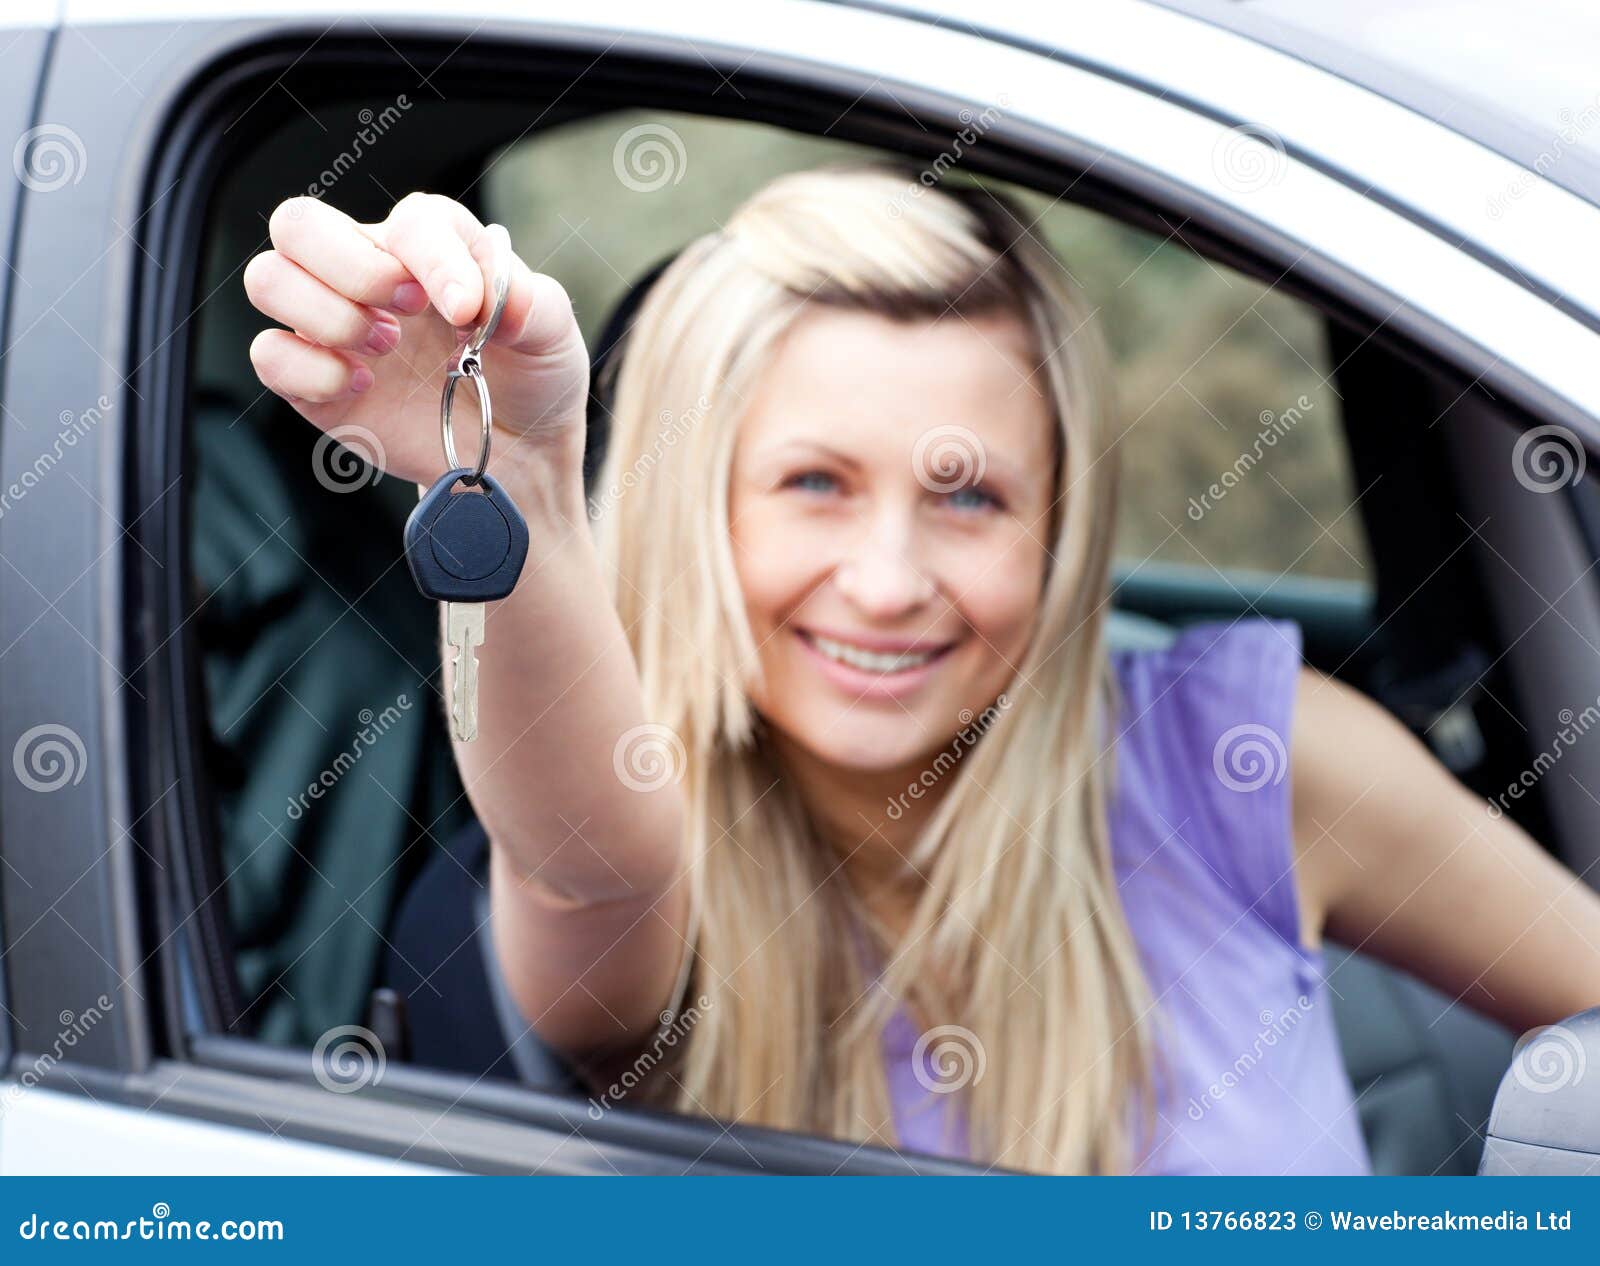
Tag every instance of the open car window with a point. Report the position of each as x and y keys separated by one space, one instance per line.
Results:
x=335 y=784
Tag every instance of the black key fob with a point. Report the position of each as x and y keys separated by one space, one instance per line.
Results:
x=466 y=546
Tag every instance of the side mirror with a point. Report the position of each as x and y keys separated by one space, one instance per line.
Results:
x=1546 y=1115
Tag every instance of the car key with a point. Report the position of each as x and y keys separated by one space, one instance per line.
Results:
x=465 y=548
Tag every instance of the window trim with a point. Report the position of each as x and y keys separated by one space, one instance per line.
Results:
x=1372 y=132
x=27 y=54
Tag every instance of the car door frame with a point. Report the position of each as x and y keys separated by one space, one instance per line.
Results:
x=27 y=49
x=92 y=915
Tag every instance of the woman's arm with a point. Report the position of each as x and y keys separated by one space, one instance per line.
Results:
x=588 y=917
x=1397 y=859
x=589 y=914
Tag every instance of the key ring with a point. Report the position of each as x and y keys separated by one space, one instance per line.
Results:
x=470 y=364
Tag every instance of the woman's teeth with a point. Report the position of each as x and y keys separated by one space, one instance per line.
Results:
x=871 y=661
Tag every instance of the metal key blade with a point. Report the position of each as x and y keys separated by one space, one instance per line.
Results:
x=464 y=634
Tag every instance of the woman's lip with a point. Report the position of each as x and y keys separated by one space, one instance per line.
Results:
x=873 y=642
x=865 y=684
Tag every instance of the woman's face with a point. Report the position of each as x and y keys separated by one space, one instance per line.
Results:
x=890 y=509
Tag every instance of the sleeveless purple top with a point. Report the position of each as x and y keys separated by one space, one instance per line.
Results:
x=1201 y=843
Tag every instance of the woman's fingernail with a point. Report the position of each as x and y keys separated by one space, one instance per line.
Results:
x=409 y=297
x=384 y=336
x=454 y=293
x=361 y=379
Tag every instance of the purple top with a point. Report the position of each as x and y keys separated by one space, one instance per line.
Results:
x=1202 y=849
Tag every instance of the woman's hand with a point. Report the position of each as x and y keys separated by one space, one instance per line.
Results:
x=376 y=312
x=585 y=880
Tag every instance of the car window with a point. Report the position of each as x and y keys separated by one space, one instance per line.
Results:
x=1232 y=443
x=331 y=770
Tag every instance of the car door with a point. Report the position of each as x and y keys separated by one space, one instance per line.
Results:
x=37 y=160
x=105 y=906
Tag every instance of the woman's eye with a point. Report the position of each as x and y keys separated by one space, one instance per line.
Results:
x=973 y=498
x=811 y=481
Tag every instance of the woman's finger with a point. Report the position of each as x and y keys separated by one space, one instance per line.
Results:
x=432 y=236
x=298 y=370
x=286 y=292
x=330 y=246
x=538 y=313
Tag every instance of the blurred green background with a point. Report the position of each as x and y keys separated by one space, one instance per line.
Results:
x=1202 y=352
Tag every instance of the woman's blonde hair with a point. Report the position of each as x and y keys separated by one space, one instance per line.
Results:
x=1018 y=955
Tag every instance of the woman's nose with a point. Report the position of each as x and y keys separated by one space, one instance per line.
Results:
x=883 y=576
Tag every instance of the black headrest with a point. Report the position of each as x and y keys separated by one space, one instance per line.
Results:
x=604 y=358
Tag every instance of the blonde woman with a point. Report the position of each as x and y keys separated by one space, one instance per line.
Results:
x=815 y=796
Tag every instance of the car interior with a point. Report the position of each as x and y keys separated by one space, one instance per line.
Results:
x=335 y=874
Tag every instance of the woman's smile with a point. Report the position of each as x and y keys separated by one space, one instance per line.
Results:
x=873 y=667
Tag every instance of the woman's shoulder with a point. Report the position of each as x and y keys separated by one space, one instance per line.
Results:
x=1219 y=689
x=1197 y=661
x=1208 y=679
x=1202 y=766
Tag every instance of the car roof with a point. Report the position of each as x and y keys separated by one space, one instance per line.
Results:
x=1516 y=79
x=1519 y=79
